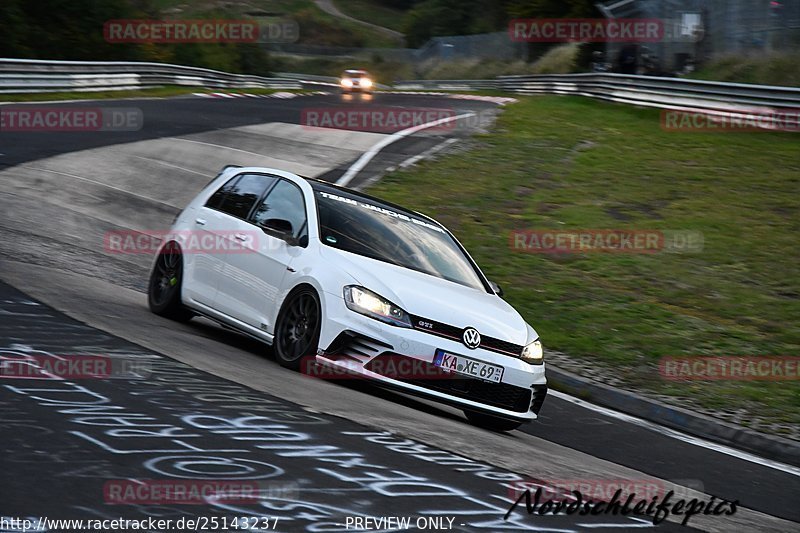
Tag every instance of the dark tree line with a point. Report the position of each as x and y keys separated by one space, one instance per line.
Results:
x=429 y=18
x=73 y=30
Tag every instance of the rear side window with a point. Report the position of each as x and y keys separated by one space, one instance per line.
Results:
x=240 y=194
x=216 y=199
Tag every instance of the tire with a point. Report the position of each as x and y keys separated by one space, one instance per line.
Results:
x=297 y=328
x=492 y=423
x=166 y=280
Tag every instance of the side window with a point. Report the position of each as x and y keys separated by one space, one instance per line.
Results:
x=216 y=199
x=285 y=201
x=238 y=196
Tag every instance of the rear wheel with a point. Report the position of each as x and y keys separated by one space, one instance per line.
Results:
x=164 y=290
x=493 y=423
x=297 y=328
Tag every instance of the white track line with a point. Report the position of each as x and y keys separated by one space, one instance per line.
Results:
x=100 y=183
x=166 y=164
x=367 y=156
x=217 y=146
x=410 y=161
x=745 y=456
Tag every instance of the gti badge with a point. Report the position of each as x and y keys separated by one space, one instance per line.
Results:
x=471 y=338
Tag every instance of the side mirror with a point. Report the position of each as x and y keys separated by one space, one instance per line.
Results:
x=279 y=228
x=496 y=288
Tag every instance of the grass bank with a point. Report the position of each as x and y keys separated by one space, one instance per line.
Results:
x=567 y=163
x=373 y=12
x=764 y=69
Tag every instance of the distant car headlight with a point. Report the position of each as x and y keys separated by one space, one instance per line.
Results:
x=366 y=82
x=346 y=82
x=533 y=353
x=368 y=303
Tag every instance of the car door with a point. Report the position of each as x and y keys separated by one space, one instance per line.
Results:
x=216 y=234
x=252 y=281
x=203 y=267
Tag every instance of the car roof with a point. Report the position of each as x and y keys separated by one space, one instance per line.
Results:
x=355 y=71
x=326 y=186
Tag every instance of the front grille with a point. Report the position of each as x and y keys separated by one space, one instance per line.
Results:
x=497 y=345
x=454 y=333
x=499 y=395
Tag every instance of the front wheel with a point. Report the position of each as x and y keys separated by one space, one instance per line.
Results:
x=490 y=422
x=297 y=328
x=164 y=289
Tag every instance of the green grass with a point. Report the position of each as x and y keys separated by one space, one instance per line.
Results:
x=769 y=69
x=160 y=92
x=573 y=163
x=372 y=12
x=559 y=60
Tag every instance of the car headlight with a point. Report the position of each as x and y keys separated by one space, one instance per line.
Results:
x=368 y=303
x=346 y=82
x=533 y=353
x=366 y=82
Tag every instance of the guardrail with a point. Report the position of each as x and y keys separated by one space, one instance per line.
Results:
x=32 y=76
x=658 y=92
x=665 y=93
x=308 y=77
x=331 y=81
x=447 y=85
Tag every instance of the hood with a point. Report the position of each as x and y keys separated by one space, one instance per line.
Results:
x=434 y=298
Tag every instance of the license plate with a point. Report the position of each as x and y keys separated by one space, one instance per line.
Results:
x=468 y=367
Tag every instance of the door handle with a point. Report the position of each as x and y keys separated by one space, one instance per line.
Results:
x=240 y=237
x=200 y=221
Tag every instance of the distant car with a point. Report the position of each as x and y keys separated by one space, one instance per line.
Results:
x=342 y=281
x=356 y=81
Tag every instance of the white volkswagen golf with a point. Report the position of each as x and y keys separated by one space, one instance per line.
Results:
x=340 y=281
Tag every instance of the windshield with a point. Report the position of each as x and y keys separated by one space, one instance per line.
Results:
x=364 y=227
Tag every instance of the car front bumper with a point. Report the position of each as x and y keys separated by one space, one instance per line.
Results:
x=354 y=345
x=356 y=89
